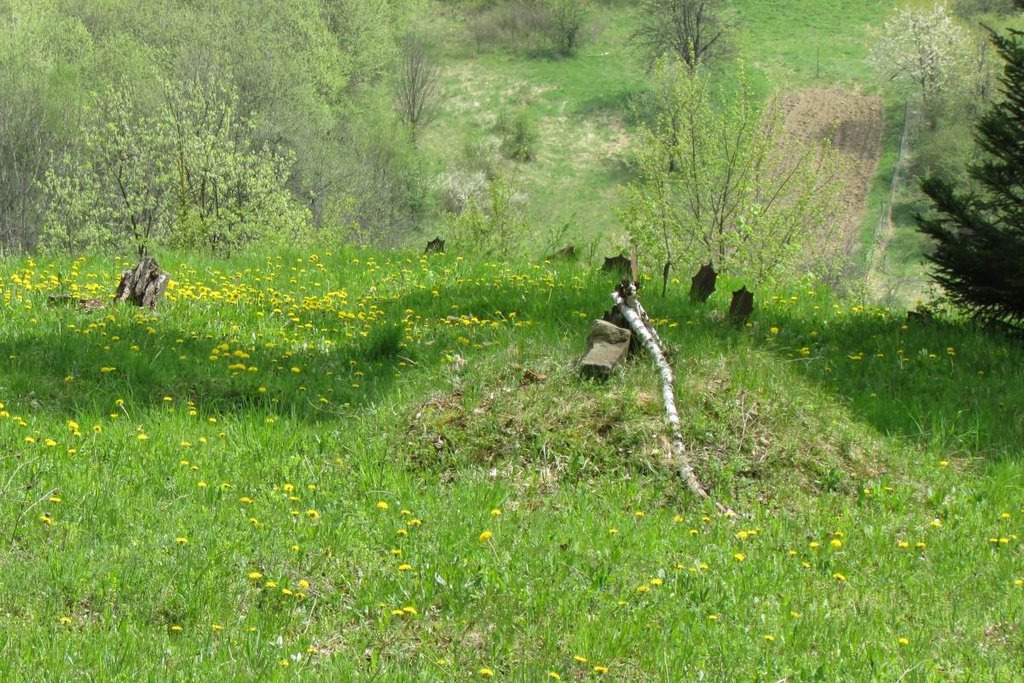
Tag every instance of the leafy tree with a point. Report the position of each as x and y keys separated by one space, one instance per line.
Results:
x=38 y=99
x=920 y=47
x=186 y=174
x=495 y=226
x=692 y=31
x=416 y=88
x=720 y=181
x=979 y=235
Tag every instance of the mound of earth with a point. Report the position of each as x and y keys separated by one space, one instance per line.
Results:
x=538 y=427
x=854 y=122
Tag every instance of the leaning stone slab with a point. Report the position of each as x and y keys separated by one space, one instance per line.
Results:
x=607 y=346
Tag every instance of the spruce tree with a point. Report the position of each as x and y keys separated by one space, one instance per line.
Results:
x=979 y=234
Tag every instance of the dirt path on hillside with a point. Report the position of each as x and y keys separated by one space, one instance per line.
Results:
x=854 y=123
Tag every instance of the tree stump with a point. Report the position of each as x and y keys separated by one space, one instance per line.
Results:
x=607 y=347
x=566 y=253
x=142 y=286
x=702 y=286
x=434 y=246
x=618 y=264
x=742 y=306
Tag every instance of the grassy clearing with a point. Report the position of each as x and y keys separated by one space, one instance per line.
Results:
x=582 y=104
x=359 y=466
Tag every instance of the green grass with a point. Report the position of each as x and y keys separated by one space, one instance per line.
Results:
x=446 y=388
x=582 y=103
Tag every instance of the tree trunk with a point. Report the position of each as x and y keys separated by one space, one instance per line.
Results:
x=627 y=304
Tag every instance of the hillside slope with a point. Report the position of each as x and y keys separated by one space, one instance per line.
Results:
x=362 y=466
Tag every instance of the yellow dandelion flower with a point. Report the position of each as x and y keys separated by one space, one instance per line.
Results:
x=739 y=557
x=313 y=514
x=404 y=567
x=553 y=675
x=485 y=536
x=580 y=659
x=181 y=540
x=65 y=620
x=496 y=512
x=382 y=505
x=768 y=637
x=903 y=641
x=486 y=672
x=599 y=669
x=836 y=543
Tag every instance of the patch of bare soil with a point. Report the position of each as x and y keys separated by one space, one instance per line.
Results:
x=854 y=123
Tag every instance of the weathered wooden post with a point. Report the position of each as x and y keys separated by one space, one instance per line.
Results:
x=434 y=246
x=742 y=306
x=702 y=286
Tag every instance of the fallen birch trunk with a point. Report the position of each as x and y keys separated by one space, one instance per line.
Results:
x=627 y=304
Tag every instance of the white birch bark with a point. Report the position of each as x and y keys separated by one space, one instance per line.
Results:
x=635 y=315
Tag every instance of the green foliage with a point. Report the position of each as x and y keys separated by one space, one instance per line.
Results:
x=494 y=227
x=719 y=182
x=242 y=534
x=534 y=28
x=386 y=190
x=298 y=72
x=979 y=253
x=689 y=31
x=519 y=134
x=184 y=176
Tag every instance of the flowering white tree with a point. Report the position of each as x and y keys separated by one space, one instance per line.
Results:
x=921 y=47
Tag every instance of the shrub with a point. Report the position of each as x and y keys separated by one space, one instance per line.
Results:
x=532 y=27
x=457 y=189
x=518 y=134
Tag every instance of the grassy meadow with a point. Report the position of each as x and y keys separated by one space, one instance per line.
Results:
x=371 y=466
x=583 y=106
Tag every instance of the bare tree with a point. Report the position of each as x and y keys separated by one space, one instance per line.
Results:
x=416 y=90
x=692 y=31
